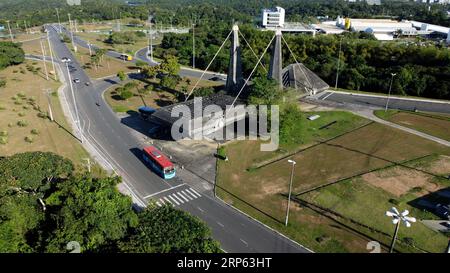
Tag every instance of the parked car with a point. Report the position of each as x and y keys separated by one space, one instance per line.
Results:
x=65 y=60
x=76 y=80
x=443 y=211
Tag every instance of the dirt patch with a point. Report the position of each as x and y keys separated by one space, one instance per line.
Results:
x=441 y=166
x=399 y=181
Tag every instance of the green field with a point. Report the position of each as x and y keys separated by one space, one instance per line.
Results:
x=21 y=99
x=260 y=191
x=432 y=124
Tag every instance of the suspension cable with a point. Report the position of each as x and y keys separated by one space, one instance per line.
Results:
x=204 y=72
x=254 y=54
x=298 y=64
x=253 y=71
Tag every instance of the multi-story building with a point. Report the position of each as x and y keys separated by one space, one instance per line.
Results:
x=272 y=18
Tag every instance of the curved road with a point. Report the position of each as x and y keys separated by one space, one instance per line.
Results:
x=235 y=231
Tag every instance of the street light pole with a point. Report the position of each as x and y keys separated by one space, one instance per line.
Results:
x=193 y=46
x=389 y=94
x=290 y=191
x=43 y=58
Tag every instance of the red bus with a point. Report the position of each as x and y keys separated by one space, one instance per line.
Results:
x=159 y=162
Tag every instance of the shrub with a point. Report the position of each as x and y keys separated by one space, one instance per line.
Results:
x=18 y=102
x=22 y=123
x=2 y=83
x=35 y=132
x=29 y=139
x=10 y=125
x=21 y=114
x=3 y=140
x=32 y=99
x=2 y=107
x=21 y=95
x=25 y=107
x=42 y=115
x=3 y=133
x=125 y=94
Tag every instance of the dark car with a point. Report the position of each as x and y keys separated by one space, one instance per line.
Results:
x=217 y=78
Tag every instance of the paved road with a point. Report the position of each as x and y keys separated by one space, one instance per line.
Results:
x=235 y=231
x=380 y=102
x=142 y=55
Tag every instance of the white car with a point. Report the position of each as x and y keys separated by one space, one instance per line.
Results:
x=65 y=60
x=76 y=80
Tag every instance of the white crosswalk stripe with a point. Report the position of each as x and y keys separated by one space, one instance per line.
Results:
x=193 y=195
x=187 y=195
x=173 y=199
x=182 y=196
x=165 y=198
x=178 y=198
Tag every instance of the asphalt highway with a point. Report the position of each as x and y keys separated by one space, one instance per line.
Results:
x=101 y=127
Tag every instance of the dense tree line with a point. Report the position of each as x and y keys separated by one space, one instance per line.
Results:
x=10 y=54
x=185 y=12
x=365 y=64
x=45 y=205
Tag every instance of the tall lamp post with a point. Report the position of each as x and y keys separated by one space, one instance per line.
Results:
x=338 y=64
x=290 y=191
x=389 y=94
x=193 y=46
x=397 y=219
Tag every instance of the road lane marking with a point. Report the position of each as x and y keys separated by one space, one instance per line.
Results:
x=193 y=195
x=182 y=196
x=199 y=195
x=165 y=198
x=326 y=97
x=220 y=224
x=244 y=242
x=173 y=199
x=200 y=210
x=187 y=195
x=156 y=193
x=178 y=198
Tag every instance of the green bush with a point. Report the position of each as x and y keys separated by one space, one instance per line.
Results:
x=2 y=83
x=26 y=107
x=2 y=107
x=3 y=140
x=42 y=115
x=22 y=123
x=29 y=139
x=125 y=94
x=21 y=114
x=21 y=95
x=35 y=132
x=18 y=102
x=10 y=125
x=3 y=133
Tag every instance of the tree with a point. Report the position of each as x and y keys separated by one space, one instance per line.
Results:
x=167 y=230
x=150 y=72
x=264 y=91
x=10 y=54
x=170 y=65
x=90 y=211
x=25 y=180
x=290 y=124
x=122 y=76
x=125 y=94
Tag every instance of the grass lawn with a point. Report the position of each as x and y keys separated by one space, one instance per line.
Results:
x=432 y=124
x=157 y=98
x=109 y=67
x=259 y=191
x=20 y=90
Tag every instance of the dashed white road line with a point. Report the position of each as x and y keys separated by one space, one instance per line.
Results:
x=244 y=242
x=178 y=198
x=187 y=195
x=173 y=199
x=220 y=224
x=182 y=196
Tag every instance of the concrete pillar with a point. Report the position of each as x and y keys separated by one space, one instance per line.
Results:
x=448 y=37
x=235 y=80
x=276 y=60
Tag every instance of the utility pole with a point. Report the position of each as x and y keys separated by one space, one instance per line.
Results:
x=47 y=92
x=193 y=45
x=290 y=191
x=43 y=58
x=90 y=50
x=51 y=55
x=59 y=21
x=10 y=32
x=389 y=94
x=74 y=103
x=25 y=23
x=338 y=64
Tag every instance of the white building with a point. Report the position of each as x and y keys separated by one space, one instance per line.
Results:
x=272 y=18
x=434 y=1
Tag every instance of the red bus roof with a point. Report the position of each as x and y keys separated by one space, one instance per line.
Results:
x=158 y=156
